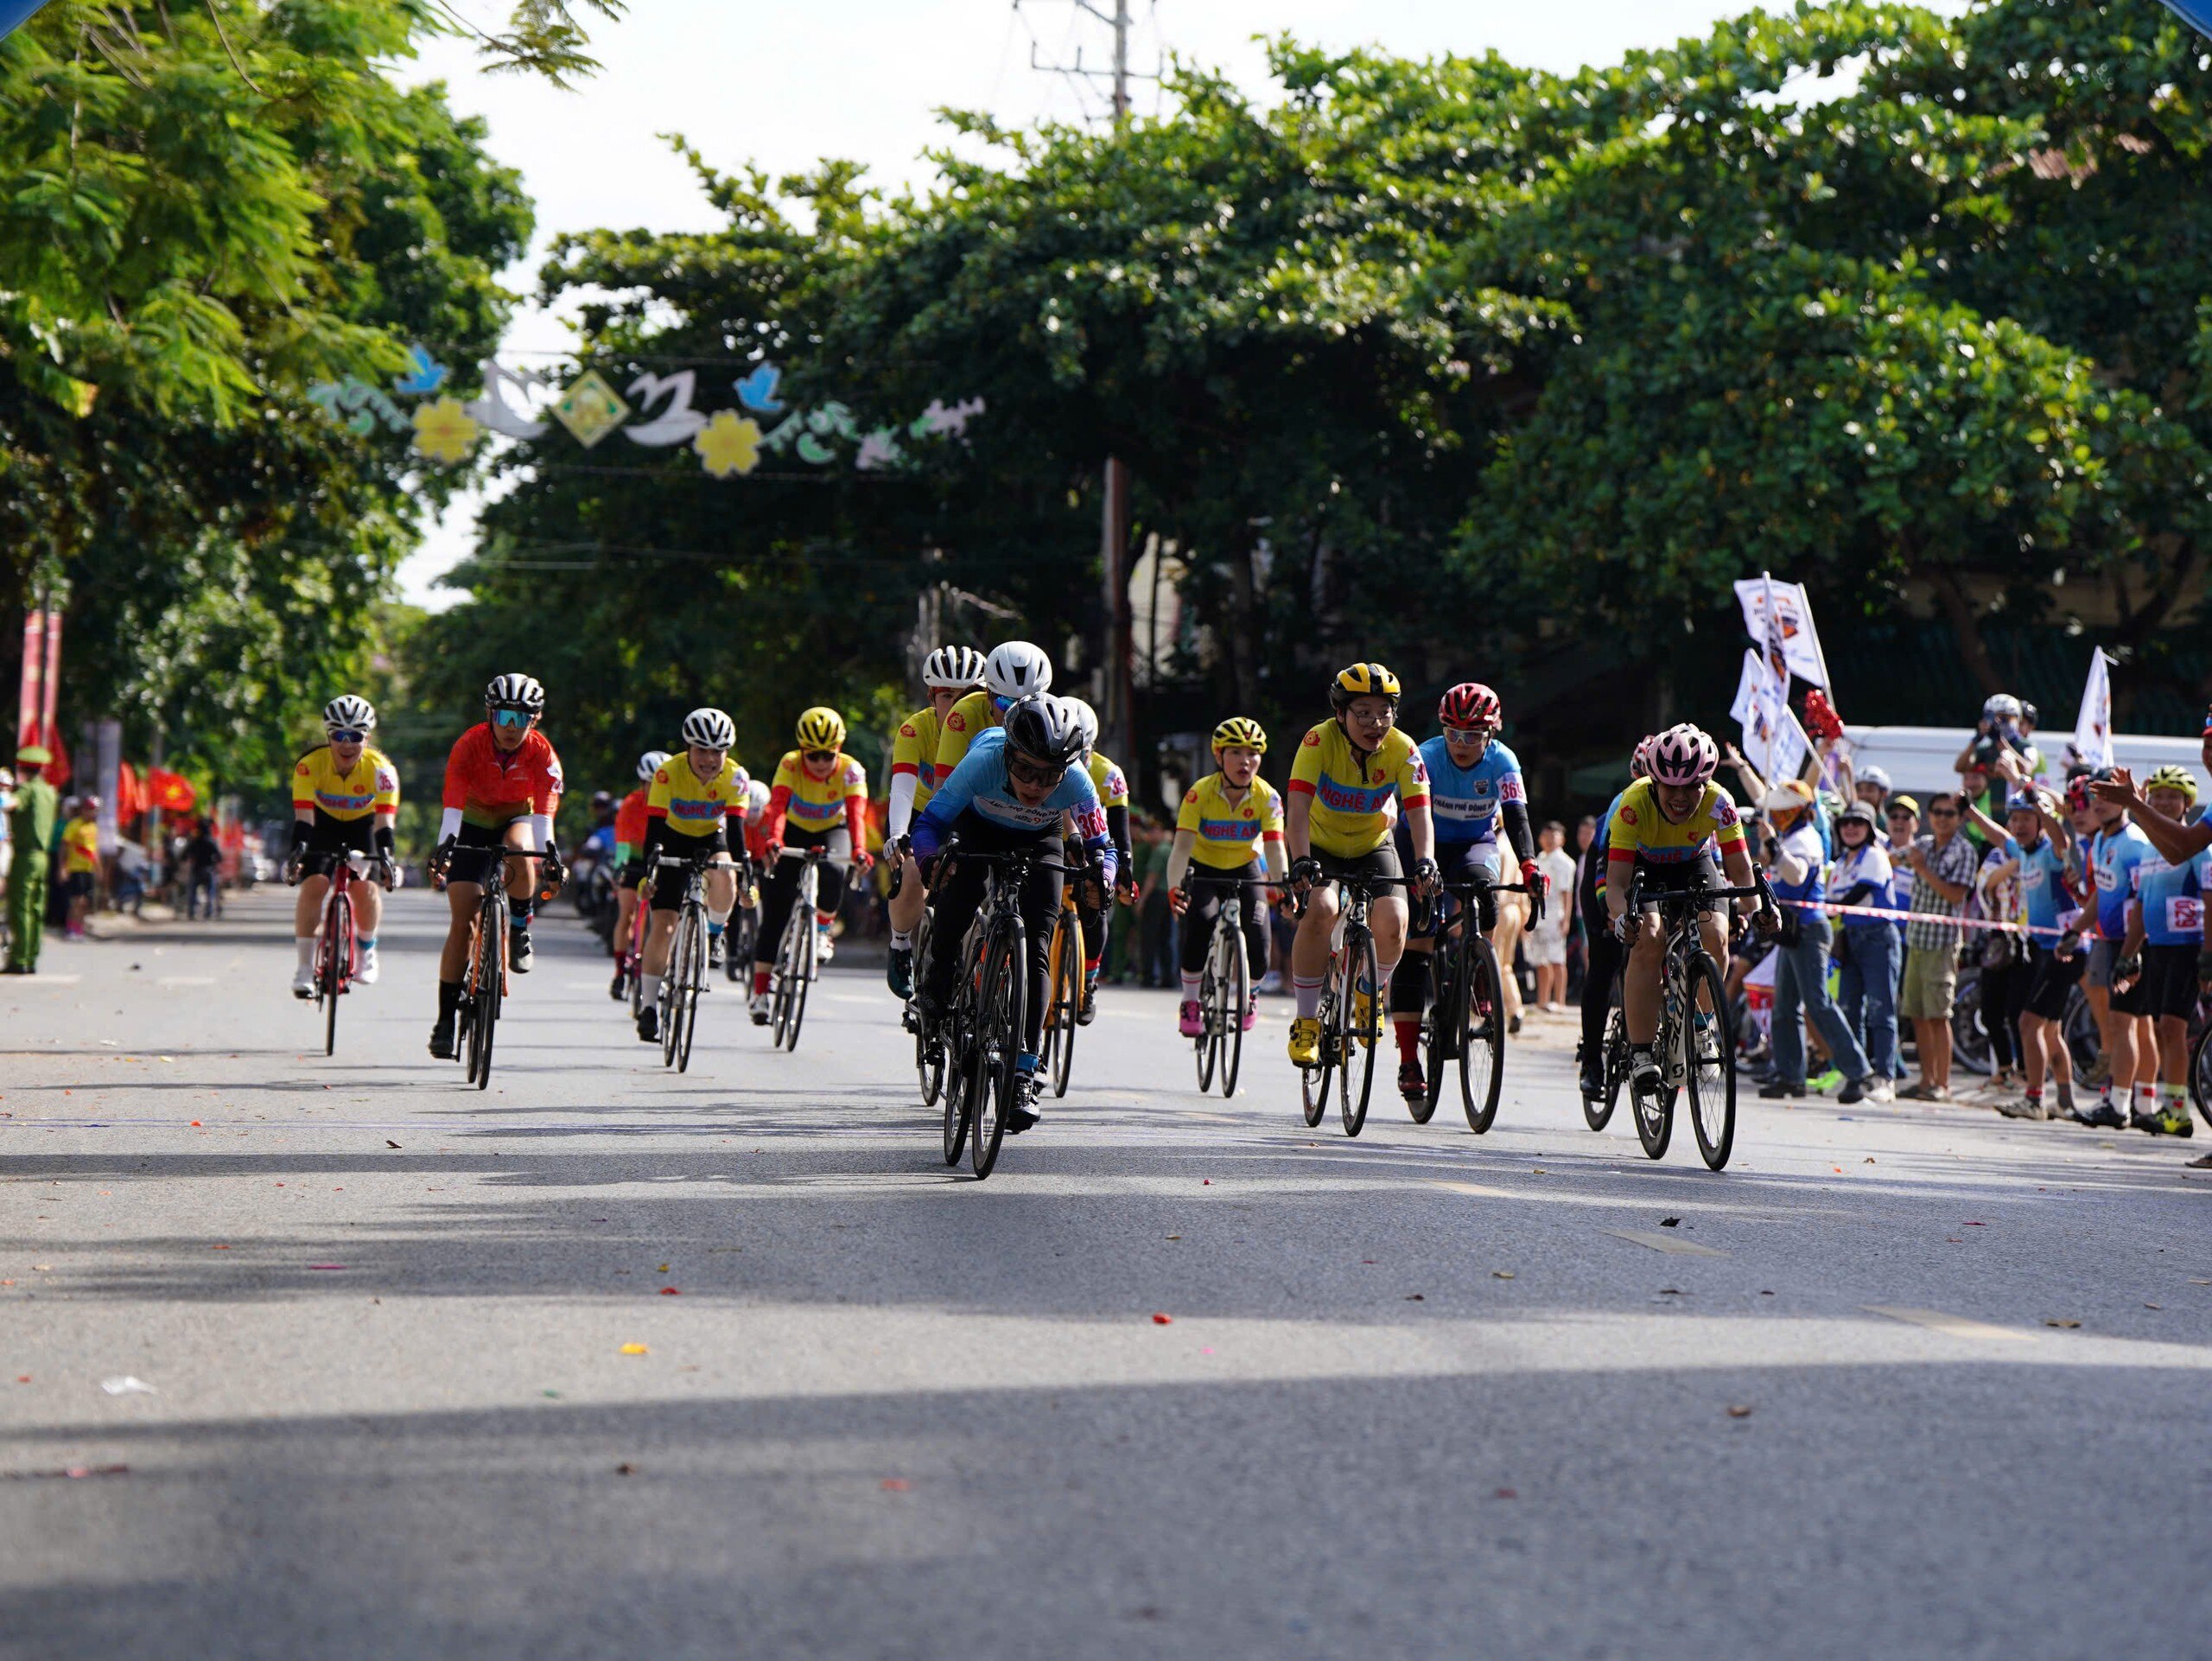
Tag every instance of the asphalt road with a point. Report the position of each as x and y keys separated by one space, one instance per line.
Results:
x=1420 y=1394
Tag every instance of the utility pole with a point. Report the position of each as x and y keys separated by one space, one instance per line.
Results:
x=1118 y=719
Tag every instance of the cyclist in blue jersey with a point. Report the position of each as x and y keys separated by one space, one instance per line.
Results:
x=1007 y=792
x=1604 y=965
x=2034 y=852
x=1475 y=787
x=2115 y=986
x=2167 y=927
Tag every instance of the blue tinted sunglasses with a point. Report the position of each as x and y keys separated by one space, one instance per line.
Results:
x=511 y=717
x=348 y=736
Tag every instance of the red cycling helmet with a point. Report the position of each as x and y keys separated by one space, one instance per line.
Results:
x=1468 y=705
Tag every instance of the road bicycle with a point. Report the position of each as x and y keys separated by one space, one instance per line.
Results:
x=1465 y=1020
x=1064 y=988
x=979 y=1038
x=685 y=976
x=1349 y=1031
x=338 y=946
x=744 y=930
x=630 y=953
x=1695 y=1046
x=1225 y=987
x=484 y=980
x=798 y=954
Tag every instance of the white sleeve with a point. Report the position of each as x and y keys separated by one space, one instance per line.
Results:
x=449 y=824
x=541 y=829
x=903 y=786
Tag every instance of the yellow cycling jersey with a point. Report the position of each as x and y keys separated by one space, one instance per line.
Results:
x=1640 y=829
x=1109 y=781
x=914 y=750
x=1231 y=835
x=693 y=806
x=1352 y=797
x=372 y=786
x=973 y=713
x=817 y=803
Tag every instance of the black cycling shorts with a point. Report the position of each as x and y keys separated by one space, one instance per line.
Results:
x=667 y=891
x=2051 y=979
x=2169 y=982
x=1380 y=870
x=1674 y=876
x=329 y=840
x=475 y=852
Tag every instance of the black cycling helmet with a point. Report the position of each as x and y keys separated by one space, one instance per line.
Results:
x=1044 y=729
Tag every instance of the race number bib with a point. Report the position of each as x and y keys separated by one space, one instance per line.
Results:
x=2184 y=913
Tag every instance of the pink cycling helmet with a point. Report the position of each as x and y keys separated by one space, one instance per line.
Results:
x=1468 y=705
x=1683 y=755
x=1639 y=759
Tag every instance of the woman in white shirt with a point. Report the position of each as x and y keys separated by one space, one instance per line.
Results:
x=1867 y=948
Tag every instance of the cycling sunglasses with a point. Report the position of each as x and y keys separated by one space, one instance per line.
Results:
x=1470 y=735
x=820 y=755
x=1000 y=704
x=511 y=717
x=1028 y=773
x=348 y=736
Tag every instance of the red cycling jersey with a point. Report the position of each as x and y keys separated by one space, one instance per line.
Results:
x=630 y=819
x=492 y=787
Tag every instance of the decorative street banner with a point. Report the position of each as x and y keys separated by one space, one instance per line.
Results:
x=656 y=413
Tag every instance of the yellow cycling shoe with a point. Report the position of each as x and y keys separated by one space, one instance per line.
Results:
x=1363 y=1019
x=1305 y=1041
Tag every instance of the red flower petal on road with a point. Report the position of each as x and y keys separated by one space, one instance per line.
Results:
x=1163 y=1321
x=670 y=1292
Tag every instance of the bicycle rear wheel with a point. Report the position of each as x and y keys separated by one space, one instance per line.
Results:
x=1359 y=1034
x=954 y=1083
x=1653 y=1107
x=1613 y=1061
x=809 y=944
x=2200 y=1072
x=1482 y=1037
x=694 y=948
x=491 y=970
x=1067 y=1001
x=1709 y=1075
x=337 y=960
x=786 y=973
x=998 y=1033
x=1444 y=975
x=1207 y=1045
x=1313 y=1081
x=1237 y=988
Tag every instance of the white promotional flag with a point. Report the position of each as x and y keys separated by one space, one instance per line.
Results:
x=1773 y=741
x=2093 y=727
x=1792 y=632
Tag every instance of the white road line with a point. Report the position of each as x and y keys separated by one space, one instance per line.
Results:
x=1950 y=1326
x=186 y=980
x=1665 y=1243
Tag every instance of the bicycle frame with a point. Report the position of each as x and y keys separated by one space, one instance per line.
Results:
x=981 y=1064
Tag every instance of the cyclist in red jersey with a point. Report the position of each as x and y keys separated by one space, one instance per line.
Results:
x=503 y=786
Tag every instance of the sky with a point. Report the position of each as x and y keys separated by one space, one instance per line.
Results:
x=784 y=83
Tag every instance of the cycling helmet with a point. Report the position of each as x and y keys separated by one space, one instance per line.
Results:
x=346 y=713
x=1016 y=670
x=1043 y=728
x=1085 y=717
x=2028 y=713
x=602 y=799
x=709 y=730
x=1861 y=813
x=2003 y=706
x=1240 y=732
x=756 y=795
x=957 y=667
x=1683 y=755
x=1639 y=758
x=2021 y=801
x=1471 y=704
x=821 y=728
x=2173 y=777
x=2077 y=794
x=649 y=763
x=1878 y=777
x=1362 y=680
x=515 y=692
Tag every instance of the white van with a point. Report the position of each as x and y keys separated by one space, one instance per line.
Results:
x=1922 y=760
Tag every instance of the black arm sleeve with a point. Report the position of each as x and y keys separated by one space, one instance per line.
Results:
x=653 y=828
x=1117 y=832
x=299 y=829
x=1516 y=814
x=1858 y=894
x=382 y=838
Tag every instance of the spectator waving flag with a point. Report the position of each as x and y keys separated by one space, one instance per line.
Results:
x=1773 y=741
x=1778 y=617
x=2093 y=727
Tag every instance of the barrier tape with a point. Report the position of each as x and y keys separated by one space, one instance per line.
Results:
x=1891 y=915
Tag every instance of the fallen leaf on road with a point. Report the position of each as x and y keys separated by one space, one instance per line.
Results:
x=325 y=1265
x=550 y=1394
x=1670 y=1222
x=1174 y=1237
x=670 y=1292
x=2068 y=1324
x=22 y=1378
x=663 y=1269
x=625 y=1469
x=126 y=1385
x=1415 y=1297
x=1739 y=1412
x=219 y=1248
x=1501 y=1273
x=634 y=1349
x=2194 y=1282
x=1163 y=1321
x=1205 y=1182
x=894 y=1484
x=2154 y=1306
x=1507 y=1494
x=1869 y=1160
x=1973 y=1226
x=389 y=1142
x=195 y=1124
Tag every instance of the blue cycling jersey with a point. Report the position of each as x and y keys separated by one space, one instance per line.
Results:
x=1464 y=802
x=2113 y=854
x=979 y=785
x=2042 y=889
x=2173 y=899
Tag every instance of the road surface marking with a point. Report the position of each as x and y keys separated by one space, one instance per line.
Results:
x=1950 y=1326
x=186 y=980
x=1665 y=1243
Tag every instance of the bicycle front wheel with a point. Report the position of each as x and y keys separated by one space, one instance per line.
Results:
x=1709 y=1070
x=809 y=944
x=491 y=972
x=998 y=1033
x=2200 y=1072
x=1480 y=1029
x=1237 y=988
x=1207 y=1045
x=1597 y=1112
x=337 y=958
x=1067 y=1001
x=1445 y=975
x=693 y=961
x=1359 y=1028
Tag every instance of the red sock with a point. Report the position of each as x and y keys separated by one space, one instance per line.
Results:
x=1408 y=1042
x=759 y=983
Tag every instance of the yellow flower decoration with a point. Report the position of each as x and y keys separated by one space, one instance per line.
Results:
x=729 y=443
x=444 y=431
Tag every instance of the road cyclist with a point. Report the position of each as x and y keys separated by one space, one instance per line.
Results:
x=345 y=802
x=698 y=794
x=1006 y=795
x=502 y=788
x=1348 y=772
x=631 y=821
x=817 y=798
x=1602 y=966
x=951 y=672
x=1229 y=839
x=1091 y=906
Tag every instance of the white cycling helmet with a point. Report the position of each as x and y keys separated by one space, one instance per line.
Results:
x=710 y=729
x=649 y=763
x=1086 y=719
x=756 y=795
x=348 y=713
x=515 y=692
x=1683 y=755
x=1016 y=670
x=2001 y=707
x=955 y=668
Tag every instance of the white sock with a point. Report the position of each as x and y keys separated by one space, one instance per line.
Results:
x=650 y=986
x=902 y=942
x=1191 y=985
x=304 y=944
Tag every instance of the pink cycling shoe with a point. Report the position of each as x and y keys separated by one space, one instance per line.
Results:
x=1190 y=1026
x=1251 y=1013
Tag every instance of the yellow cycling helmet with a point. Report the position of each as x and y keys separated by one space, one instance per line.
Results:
x=821 y=728
x=1362 y=680
x=1242 y=732
x=2173 y=777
